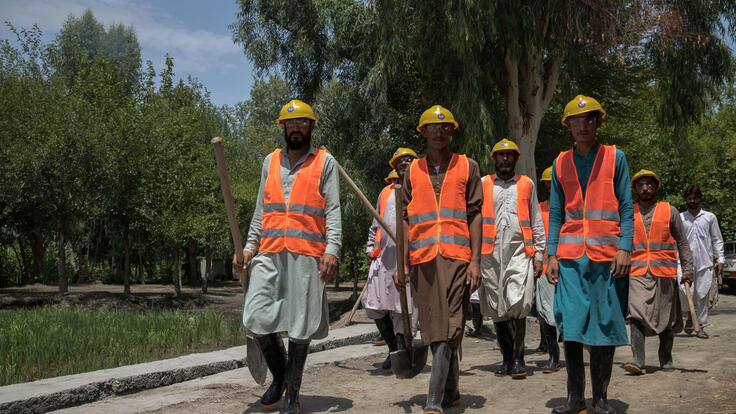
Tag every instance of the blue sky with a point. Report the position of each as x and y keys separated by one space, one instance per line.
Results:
x=193 y=32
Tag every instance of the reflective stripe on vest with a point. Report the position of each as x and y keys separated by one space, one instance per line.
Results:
x=438 y=228
x=382 y=200
x=592 y=224
x=656 y=251
x=544 y=209
x=523 y=198
x=299 y=225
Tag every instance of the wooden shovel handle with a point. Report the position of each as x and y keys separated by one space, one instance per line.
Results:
x=398 y=197
x=693 y=317
x=230 y=207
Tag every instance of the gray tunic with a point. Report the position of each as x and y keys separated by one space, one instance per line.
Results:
x=285 y=293
x=653 y=301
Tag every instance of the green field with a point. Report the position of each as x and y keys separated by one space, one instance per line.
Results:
x=51 y=341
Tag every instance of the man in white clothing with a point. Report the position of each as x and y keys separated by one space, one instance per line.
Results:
x=706 y=243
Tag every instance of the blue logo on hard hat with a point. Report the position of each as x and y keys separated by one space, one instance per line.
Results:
x=441 y=116
x=581 y=104
x=290 y=109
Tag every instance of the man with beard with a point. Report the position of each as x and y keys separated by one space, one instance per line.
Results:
x=544 y=294
x=442 y=234
x=706 y=244
x=512 y=252
x=381 y=300
x=293 y=244
x=591 y=231
x=654 y=308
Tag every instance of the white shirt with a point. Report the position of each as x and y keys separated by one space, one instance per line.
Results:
x=704 y=237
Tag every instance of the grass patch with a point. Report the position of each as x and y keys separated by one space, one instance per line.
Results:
x=51 y=341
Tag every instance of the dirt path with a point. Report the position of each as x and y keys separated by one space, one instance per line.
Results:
x=704 y=382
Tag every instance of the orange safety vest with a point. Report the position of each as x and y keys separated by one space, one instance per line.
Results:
x=299 y=225
x=382 y=200
x=523 y=198
x=656 y=251
x=544 y=209
x=592 y=225
x=438 y=228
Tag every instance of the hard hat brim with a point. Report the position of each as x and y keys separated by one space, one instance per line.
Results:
x=421 y=124
x=282 y=119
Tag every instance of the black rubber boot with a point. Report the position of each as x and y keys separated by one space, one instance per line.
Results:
x=386 y=328
x=518 y=368
x=506 y=343
x=550 y=336
x=542 y=348
x=451 y=397
x=666 y=340
x=441 y=356
x=477 y=319
x=400 y=341
x=575 y=403
x=273 y=351
x=636 y=366
x=294 y=370
x=601 y=363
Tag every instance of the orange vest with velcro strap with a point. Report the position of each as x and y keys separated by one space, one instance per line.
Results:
x=544 y=209
x=438 y=228
x=592 y=225
x=382 y=200
x=656 y=251
x=299 y=225
x=523 y=198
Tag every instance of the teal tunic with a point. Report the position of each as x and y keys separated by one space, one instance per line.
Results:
x=590 y=304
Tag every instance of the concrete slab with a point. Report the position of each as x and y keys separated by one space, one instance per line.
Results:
x=72 y=390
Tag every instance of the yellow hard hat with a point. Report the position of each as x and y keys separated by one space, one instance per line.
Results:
x=400 y=153
x=645 y=173
x=505 y=145
x=390 y=176
x=436 y=115
x=295 y=109
x=547 y=174
x=580 y=105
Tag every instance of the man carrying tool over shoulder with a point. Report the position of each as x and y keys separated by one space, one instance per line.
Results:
x=293 y=244
x=443 y=199
x=591 y=231
x=654 y=306
x=381 y=299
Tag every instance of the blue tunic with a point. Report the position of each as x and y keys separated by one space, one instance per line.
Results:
x=590 y=304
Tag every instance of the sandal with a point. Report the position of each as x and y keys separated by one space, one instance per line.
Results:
x=701 y=334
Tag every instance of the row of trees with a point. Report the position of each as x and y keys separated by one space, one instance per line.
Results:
x=106 y=164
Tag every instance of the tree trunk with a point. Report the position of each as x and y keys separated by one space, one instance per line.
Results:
x=72 y=262
x=141 y=271
x=192 y=262
x=20 y=265
x=39 y=252
x=207 y=267
x=126 y=266
x=25 y=276
x=60 y=258
x=176 y=274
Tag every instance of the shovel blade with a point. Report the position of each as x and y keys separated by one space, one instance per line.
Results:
x=255 y=361
x=405 y=364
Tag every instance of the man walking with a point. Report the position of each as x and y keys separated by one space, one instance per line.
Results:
x=591 y=227
x=443 y=230
x=293 y=243
x=512 y=252
x=381 y=299
x=706 y=243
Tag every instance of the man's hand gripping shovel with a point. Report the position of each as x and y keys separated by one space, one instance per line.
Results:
x=254 y=359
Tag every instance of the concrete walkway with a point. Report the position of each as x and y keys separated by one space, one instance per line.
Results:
x=73 y=390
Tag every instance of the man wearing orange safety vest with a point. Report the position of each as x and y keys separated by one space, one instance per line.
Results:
x=293 y=243
x=654 y=306
x=381 y=299
x=511 y=254
x=591 y=230
x=443 y=198
x=544 y=294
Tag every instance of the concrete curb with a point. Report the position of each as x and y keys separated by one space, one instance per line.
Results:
x=62 y=392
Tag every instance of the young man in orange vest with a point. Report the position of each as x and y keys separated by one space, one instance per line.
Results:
x=443 y=199
x=291 y=252
x=544 y=294
x=591 y=229
x=381 y=299
x=654 y=306
x=511 y=254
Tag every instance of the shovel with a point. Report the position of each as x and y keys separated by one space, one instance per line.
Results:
x=408 y=362
x=254 y=359
x=693 y=316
